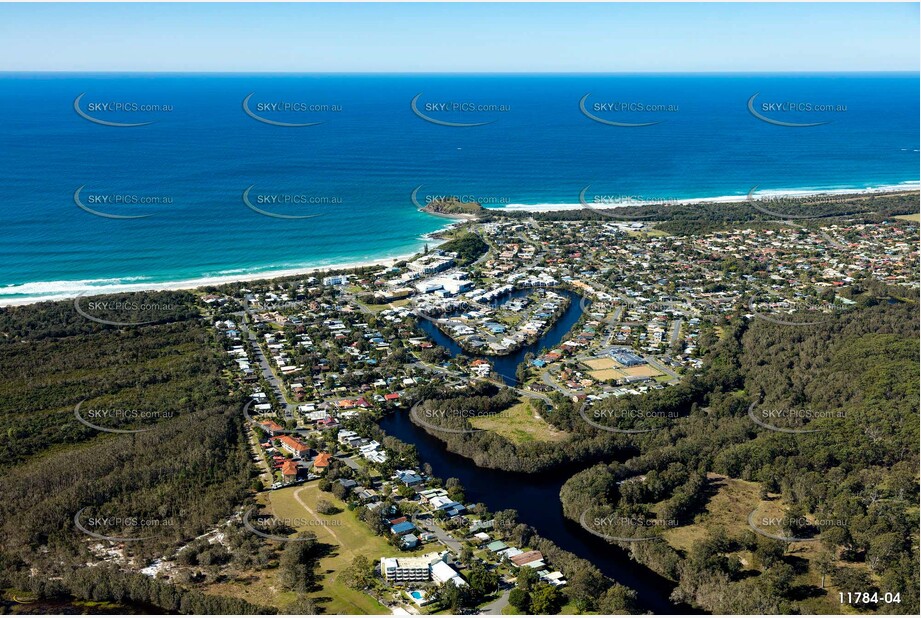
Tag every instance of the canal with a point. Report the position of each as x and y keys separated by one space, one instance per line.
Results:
x=507 y=364
x=536 y=497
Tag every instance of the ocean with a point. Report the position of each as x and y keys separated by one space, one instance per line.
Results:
x=345 y=184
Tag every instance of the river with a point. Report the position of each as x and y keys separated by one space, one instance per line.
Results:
x=536 y=497
x=507 y=364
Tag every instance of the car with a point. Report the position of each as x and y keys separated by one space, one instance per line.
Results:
x=277 y=485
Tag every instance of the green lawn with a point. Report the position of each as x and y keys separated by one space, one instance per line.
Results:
x=350 y=538
x=518 y=425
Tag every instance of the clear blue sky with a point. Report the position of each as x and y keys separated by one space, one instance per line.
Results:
x=459 y=37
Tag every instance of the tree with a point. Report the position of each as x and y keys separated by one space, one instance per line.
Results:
x=824 y=564
x=482 y=581
x=359 y=575
x=297 y=563
x=326 y=507
x=303 y=606
x=769 y=551
x=519 y=599
x=546 y=599
x=586 y=585
x=526 y=578
x=617 y=599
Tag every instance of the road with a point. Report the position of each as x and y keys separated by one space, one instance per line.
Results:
x=547 y=379
x=676 y=330
x=495 y=608
x=449 y=541
x=267 y=372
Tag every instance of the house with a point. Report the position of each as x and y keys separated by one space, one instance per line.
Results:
x=293 y=446
x=272 y=428
x=496 y=546
x=409 y=478
x=289 y=471
x=409 y=541
x=527 y=558
x=365 y=495
x=348 y=484
x=321 y=462
x=345 y=435
x=403 y=528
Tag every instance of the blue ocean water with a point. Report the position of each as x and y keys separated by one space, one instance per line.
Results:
x=357 y=168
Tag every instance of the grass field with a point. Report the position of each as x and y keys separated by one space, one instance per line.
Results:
x=647 y=232
x=350 y=537
x=601 y=363
x=728 y=508
x=915 y=217
x=343 y=532
x=518 y=424
x=642 y=370
x=607 y=374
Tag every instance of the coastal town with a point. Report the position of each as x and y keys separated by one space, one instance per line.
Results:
x=324 y=357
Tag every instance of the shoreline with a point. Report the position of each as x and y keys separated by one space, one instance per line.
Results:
x=910 y=186
x=86 y=287
x=193 y=284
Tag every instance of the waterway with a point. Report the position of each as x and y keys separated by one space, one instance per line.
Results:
x=507 y=364
x=536 y=497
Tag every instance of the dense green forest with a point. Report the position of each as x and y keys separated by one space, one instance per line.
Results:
x=186 y=473
x=680 y=219
x=856 y=469
x=469 y=248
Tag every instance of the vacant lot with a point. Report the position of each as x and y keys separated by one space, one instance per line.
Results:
x=519 y=424
x=728 y=508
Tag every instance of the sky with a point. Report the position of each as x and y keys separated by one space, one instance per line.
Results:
x=408 y=38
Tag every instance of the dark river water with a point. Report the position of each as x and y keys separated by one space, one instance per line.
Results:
x=506 y=365
x=536 y=497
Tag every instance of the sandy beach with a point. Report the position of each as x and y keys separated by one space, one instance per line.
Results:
x=95 y=287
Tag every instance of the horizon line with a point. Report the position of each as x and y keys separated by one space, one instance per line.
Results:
x=695 y=72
